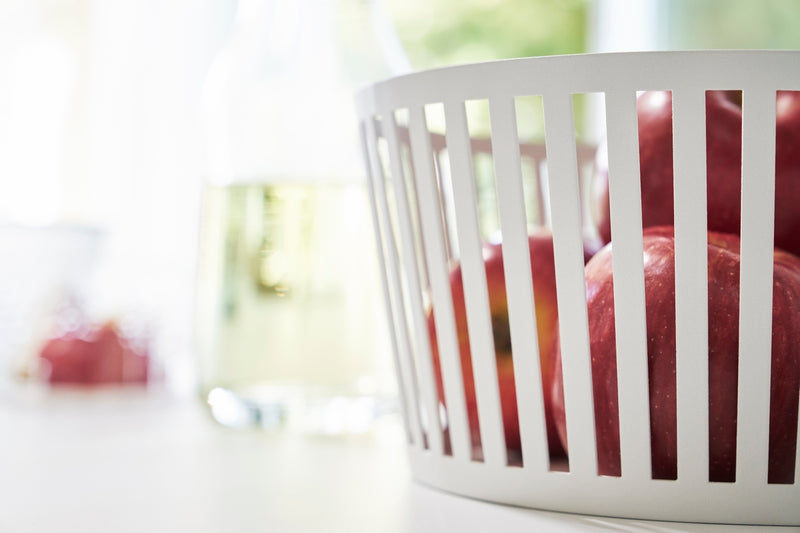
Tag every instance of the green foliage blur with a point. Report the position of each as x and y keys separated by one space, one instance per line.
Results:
x=732 y=24
x=447 y=32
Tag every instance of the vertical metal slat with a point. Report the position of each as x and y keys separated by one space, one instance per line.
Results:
x=476 y=296
x=755 y=296
x=519 y=285
x=435 y=252
x=570 y=282
x=691 y=283
x=629 y=298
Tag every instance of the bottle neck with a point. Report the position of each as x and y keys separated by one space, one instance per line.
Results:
x=354 y=38
x=279 y=98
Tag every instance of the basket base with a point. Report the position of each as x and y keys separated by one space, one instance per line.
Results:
x=615 y=497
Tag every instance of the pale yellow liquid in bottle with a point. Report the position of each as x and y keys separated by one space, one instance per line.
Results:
x=291 y=328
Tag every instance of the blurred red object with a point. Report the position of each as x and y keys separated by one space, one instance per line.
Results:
x=98 y=355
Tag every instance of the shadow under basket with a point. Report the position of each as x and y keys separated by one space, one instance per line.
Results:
x=428 y=211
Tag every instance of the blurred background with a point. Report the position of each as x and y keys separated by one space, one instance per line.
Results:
x=104 y=152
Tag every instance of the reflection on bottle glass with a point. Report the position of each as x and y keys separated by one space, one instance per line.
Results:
x=290 y=325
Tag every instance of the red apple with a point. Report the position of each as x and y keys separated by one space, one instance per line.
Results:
x=543 y=275
x=93 y=356
x=723 y=331
x=723 y=165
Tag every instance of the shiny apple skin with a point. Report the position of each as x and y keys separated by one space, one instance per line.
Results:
x=723 y=322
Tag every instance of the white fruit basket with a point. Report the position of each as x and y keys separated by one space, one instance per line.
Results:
x=424 y=195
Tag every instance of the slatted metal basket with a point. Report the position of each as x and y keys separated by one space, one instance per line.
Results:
x=415 y=235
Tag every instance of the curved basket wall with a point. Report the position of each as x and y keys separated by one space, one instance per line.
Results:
x=414 y=237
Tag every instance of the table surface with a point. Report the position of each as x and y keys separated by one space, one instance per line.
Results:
x=139 y=460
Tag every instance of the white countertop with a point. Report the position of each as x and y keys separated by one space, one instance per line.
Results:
x=130 y=460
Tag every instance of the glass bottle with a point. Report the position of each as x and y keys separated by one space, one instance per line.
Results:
x=290 y=326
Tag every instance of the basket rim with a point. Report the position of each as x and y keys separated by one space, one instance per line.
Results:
x=372 y=96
